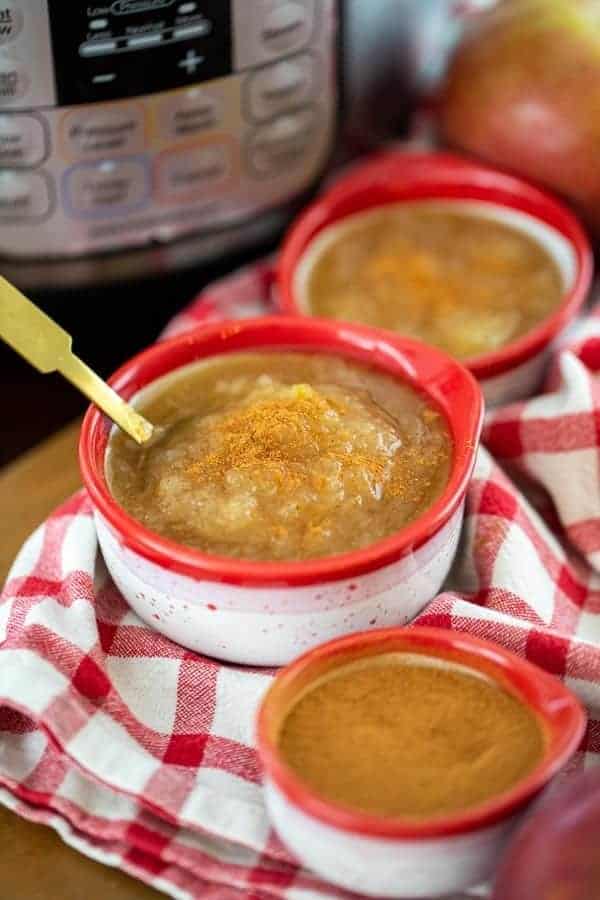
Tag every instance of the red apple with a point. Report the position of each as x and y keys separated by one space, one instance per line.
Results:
x=556 y=853
x=523 y=92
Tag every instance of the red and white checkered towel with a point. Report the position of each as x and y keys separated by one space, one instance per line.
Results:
x=139 y=753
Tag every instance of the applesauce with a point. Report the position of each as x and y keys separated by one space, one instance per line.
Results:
x=393 y=738
x=281 y=456
x=462 y=281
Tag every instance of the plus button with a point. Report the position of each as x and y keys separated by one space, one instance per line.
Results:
x=190 y=62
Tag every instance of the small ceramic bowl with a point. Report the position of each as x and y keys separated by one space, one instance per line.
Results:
x=402 y=857
x=515 y=370
x=265 y=613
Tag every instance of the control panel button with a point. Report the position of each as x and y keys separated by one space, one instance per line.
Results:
x=281 y=144
x=281 y=86
x=287 y=28
x=24 y=196
x=189 y=113
x=14 y=81
x=106 y=188
x=24 y=141
x=270 y=29
x=187 y=174
x=11 y=23
x=195 y=30
x=144 y=40
x=103 y=131
x=98 y=48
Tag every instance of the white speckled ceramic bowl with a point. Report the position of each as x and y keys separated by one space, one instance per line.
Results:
x=265 y=613
x=514 y=371
x=403 y=857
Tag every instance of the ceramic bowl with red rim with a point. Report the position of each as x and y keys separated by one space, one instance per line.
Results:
x=515 y=370
x=404 y=857
x=265 y=613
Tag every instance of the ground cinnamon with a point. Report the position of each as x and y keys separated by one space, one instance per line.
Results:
x=411 y=740
x=456 y=280
x=284 y=432
x=283 y=456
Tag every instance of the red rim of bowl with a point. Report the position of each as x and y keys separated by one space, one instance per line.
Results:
x=556 y=708
x=444 y=381
x=394 y=177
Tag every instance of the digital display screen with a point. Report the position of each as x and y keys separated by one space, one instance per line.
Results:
x=127 y=48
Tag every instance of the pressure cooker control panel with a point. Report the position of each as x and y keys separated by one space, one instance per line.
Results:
x=136 y=121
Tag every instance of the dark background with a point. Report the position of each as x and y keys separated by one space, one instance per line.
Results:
x=108 y=325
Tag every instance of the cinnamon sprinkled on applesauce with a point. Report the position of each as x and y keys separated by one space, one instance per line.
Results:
x=455 y=279
x=286 y=457
x=298 y=423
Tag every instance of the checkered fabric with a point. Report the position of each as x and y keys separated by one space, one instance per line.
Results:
x=140 y=754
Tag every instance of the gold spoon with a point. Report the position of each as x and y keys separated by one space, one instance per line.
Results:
x=47 y=347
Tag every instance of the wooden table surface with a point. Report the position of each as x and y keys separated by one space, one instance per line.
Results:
x=34 y=863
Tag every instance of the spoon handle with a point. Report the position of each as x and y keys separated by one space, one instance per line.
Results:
x=47 y=346
x=100 y=393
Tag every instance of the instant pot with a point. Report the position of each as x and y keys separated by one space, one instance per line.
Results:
x=144 y=136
